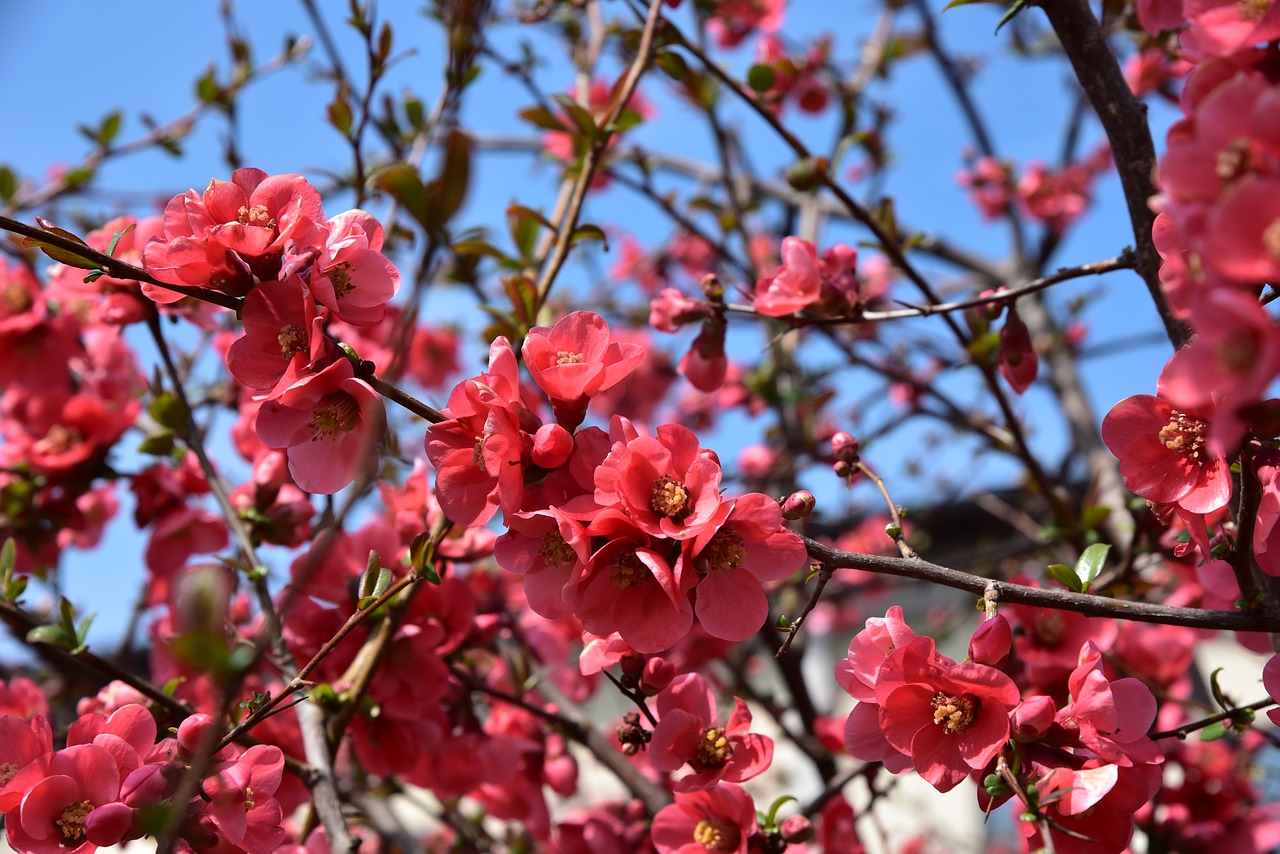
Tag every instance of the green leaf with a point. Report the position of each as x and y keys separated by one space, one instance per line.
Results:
x=51 y=635
x=169 y=411
x=62 y=256
x=761 y=78
x=402 y=182
x=540 y=116
x=1066 y=576
x=478 y=247
x=1008 y=16
x=584 y=121
x=422 y=555
x=340 y=114
x=589 y=232
x=8 y=183
x=775 y=806
x=1214 y=731
x=1216 y=690
x=1094 y=515
x=157 y=444
x=8 y=557
x=115 y=239
x=672 y=64
x=955 y=3
x=1091 y=564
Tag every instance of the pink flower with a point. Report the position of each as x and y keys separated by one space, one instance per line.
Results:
x=57 y=814
x=282 y=337
x=241 y=803
x=1109 y=718
x=708 y=821
x=1016 y=356
x=734 y=20
x=236 y=230
x=735 y=558
x=1164 y=454
x=328 y=422
x=952 y=719
x=351 y=276
x=796 y=284
x=576 y=359
x=687 y=733
x=669 y=485
x=479 y=453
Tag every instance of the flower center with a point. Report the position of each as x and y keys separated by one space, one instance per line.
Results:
x=1049 y=629
x=249 y=802
x=16 y=300
x=716 y=836
x=292 y=341
x=1271 y=239
x=1183 y=434
x=340 y=278
x=725 y=551
x=564 y=357
x=627 y=571
x=1253 y=10
x=336 y=414
x=71 y=823
x=953 y=712
x=554 y=550
x=1234 y=160
x=713 y=749
x=8 y=771
x=257 y=216
x=59 y=439
x=670 y=498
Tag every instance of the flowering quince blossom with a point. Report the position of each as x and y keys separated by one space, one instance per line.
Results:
x=796 y=284
x=328 y=423
x=1163 y=451
x=687 y=734
x=951 y=719
x=707 y=821
x=574 y=360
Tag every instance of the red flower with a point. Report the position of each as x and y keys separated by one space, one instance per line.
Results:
x=576 y=359
x=1164 y=454
x=687 y=733
x=951 y=718
x=709 y=821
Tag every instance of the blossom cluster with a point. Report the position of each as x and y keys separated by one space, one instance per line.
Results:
x=629 y=532
x=114 y=777
x=266 y=238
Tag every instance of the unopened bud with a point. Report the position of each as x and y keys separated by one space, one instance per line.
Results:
x=842 y=469
x=798 y=505
x=552 y=446
x=1033 y=717
x=632 y=665
x=711 y=287
x=807 y=174
x=796 y=829
x=991 y=642
x=844 y=446
x=658 y=673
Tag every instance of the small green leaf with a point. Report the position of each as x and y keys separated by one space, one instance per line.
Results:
x=1216 y=690
x=157 y=444
x=583 y=120
x=1066 y=576
x=1091 y=563
x=340 y=114
x=672 y=64
x=1214 y=731
x=1008 y=16
x=589 y=232
x=8 y=557
x=8 y=183
x=422 y=555
x=51 y=635
x=169 y=411
x=540 y=116
x=115 y=239
x=57 y=253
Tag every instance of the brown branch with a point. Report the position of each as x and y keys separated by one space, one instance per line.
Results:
x=1083 y=603
x=1186 y=729
x=114 y=266
x=1124 y=118
x=568 y=221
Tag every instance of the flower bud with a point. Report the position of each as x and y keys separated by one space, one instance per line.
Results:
x=798 y=505
x=842 y=469
x=797 y=829
x=991 y=641
x=552 y=446
x=756 y=460
x=844 y=446
x=657 y=675
x=712 y=288
x=1033 y=717
x=632 y=665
